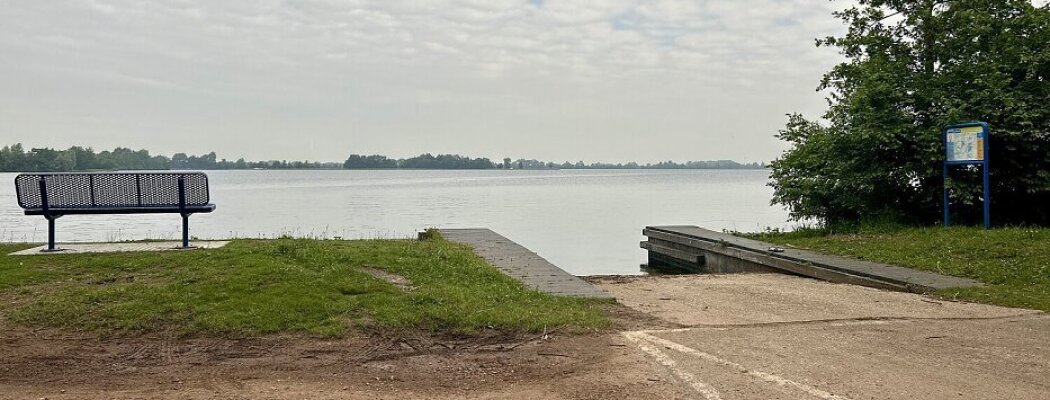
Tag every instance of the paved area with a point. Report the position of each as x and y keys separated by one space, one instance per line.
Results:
x=522 y=264
x=119 y=247
x=771 y=336
x=806 y=263
x=742 y=299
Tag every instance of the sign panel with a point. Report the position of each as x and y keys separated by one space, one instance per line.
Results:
x=965 y=143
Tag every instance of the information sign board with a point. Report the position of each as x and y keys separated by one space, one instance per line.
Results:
x=967 y=144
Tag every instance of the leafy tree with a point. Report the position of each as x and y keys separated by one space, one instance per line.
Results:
x=912 y=68
x=12 y=158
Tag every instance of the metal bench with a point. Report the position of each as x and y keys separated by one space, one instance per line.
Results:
x=58 y=194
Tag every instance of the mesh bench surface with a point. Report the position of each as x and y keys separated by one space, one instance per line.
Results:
x=113 y=193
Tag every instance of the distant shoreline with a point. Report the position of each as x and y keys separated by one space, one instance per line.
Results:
x=15 y=158
x=404 y=169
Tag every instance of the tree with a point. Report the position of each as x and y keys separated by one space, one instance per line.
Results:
x=83 y=159
x=180 y=161
x=49 y=160
x=912 y=68
x=374 y=161
x=12 y=158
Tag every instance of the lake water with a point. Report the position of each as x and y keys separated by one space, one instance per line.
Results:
x=585 y=221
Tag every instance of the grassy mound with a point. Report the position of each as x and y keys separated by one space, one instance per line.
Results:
x=252 y=287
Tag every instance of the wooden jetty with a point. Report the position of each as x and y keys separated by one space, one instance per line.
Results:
x=687 y=248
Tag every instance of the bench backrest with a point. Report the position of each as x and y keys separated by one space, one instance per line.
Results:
x=111 y=189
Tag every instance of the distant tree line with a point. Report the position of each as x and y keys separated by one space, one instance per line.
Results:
x=719 y=164
x=15 y=158
x=454 y=161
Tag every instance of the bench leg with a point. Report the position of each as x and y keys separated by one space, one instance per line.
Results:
x=185 y=231
x=51 y=235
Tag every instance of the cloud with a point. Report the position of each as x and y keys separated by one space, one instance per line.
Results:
x=551 y=79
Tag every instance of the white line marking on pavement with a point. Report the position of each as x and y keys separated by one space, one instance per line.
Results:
x=674 y=330
x=639 y=336
x=704 y=389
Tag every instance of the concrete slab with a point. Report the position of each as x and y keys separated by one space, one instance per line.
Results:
x=119 y=247
x=522 y=264
x=768 y=336
x=742 y=299
x=1001 y=358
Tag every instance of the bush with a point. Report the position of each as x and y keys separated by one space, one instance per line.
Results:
x=912 y=68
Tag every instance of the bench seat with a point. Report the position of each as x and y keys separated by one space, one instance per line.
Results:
x=121 y=210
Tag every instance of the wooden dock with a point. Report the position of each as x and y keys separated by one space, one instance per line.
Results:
x=694 y=249
x=522 y=264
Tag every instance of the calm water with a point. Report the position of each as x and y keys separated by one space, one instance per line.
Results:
x=588 y=222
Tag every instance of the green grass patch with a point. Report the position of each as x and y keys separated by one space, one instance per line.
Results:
x=252 y=287
x=1014 y=263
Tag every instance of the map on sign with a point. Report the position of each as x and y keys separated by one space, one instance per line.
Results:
x=965 y=144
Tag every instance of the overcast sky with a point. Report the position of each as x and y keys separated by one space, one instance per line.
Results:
x=555 y=80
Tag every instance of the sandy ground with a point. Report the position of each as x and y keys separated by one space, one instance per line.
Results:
x=683 y=337
x=767 y=336
x=35 y=365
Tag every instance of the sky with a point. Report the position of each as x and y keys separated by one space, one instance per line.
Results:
x=608 y=81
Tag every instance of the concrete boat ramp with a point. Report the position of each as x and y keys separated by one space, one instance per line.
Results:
x=522 y=264
x=694 y=249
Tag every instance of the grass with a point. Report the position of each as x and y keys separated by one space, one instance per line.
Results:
x=253 y=287
x=1014 y=263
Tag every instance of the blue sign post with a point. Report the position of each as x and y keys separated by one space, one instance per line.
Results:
x=967 y=144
